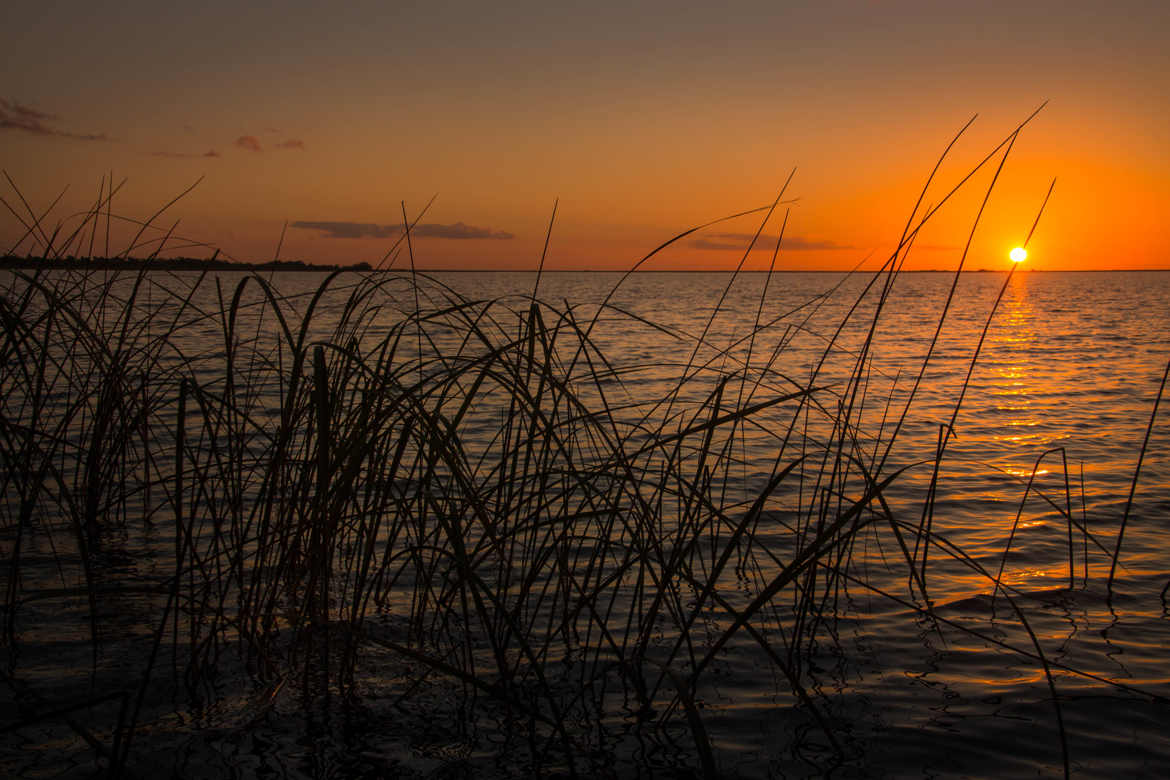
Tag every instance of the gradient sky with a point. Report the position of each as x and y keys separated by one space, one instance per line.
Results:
x=643 y=123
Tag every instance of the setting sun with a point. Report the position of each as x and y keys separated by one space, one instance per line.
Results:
x=1018 y=255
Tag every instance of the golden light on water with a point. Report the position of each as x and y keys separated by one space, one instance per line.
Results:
x=1018 y=255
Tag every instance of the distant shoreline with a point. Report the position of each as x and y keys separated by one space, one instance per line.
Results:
x=165 y=264
x=197 y=264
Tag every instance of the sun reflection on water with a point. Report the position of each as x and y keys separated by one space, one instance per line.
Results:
x=1013 y=380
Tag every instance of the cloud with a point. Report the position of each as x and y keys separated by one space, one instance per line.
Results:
x=186 y=155
x=292 y=143
x=349 y=229
x=740 y=241
x=457 y=230
x=26 y=113
x=16 y=116
x=249 y=142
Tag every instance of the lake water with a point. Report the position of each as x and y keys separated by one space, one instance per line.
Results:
x=1053 y=418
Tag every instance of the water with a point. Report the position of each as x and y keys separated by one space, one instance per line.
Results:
x=1051 y=424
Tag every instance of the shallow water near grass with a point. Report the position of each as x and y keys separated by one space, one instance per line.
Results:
x=1035 y=479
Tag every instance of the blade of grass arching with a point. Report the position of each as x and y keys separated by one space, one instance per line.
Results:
x=35 y=225
x=999 y=297
x=928 y=508
x=760 y=308
x=549 y=436
x=859 y=459
x=521 y=394
x=909 y=237
x=963 y=181
x=845 y=434
x=395 y=248
x=150 y=222
x=97 y=212
x=405 y=435
x=65 y=246
x=605 y=426
x=906 y=239
x=646 y=258
x=28 y=227
x=442 y=448
x=544 y=252
x=691 y=497
x=727 y=352
x=271 y=491
x=733 y=416
x=637 y=497
x=652 y=253
x=541 y=424
x=162 y=241
x=708 y=587
x=414 y=287
x=1133 y=484
x=1016 y=523
x=683 y=376
x=793 y=681
x=1081 y=526
x=187 y=242
x=109 y=213
x=824 y=539
x=1010 y=139
x=928 y=505
x=480 y=591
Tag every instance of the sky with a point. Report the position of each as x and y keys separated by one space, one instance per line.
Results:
x=309 y=129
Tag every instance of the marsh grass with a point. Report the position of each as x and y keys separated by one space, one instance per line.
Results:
x=467 y=486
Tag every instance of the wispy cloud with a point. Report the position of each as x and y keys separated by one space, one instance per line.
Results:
x=292 y=143
x=186 y=155
x=19 y=117
x=457 y=230
x=740 y=241
x=27 y=113
x=249 y=142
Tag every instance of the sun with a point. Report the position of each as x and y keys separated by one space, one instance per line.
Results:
x=1018 y=255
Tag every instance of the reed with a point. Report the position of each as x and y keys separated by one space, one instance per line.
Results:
x=468 y=485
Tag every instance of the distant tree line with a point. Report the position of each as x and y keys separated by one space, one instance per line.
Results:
x=166 y=264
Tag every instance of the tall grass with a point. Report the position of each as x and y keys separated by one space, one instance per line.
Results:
x=467 y=485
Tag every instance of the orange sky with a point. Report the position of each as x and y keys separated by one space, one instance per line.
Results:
x=642 y=122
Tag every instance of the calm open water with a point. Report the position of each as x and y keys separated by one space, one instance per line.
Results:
x=1072 y=362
